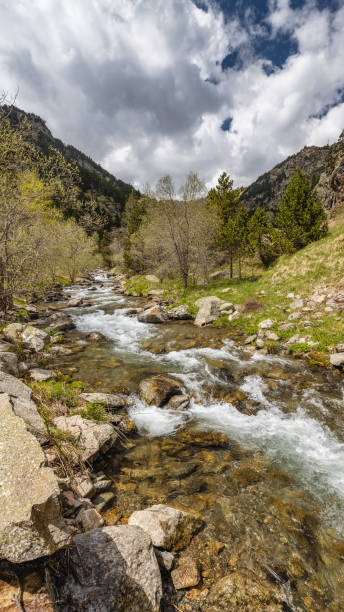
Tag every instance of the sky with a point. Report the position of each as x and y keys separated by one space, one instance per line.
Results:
x=155 y=87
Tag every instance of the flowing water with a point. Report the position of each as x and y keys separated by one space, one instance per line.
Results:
x=259 y=452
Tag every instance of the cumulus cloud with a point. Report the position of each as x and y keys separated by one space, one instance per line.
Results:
x=138 y=84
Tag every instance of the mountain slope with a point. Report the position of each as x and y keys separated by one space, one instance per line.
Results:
x=324 y=166
x=97 y=184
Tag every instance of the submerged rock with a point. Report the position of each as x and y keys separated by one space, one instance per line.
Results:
x=186 y=574
x=113 y=568
x=31 y=523
x=155 y=314
x=244 y=591
x=167 y=527
x=92 y=437
x=159 y=389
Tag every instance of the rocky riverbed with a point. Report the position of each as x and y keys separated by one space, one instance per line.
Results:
x=216 y=484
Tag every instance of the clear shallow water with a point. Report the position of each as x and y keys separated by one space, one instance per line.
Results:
x=273 y=410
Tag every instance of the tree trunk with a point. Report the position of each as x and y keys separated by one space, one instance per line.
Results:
x=239 y=267
x=231 y=266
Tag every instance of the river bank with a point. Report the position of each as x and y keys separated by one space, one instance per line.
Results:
x=255 y=454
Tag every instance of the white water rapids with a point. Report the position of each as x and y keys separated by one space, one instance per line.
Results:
x=283 y=426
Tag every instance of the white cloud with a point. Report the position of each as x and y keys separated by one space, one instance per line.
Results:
x=131 y=83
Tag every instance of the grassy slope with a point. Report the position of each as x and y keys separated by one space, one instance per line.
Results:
x=319 y=266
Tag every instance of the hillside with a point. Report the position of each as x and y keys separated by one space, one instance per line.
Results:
x=324 y=166
x=109 y=192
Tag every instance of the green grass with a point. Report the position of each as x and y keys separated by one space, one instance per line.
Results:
x=57 y=391
x=94 y=411
x=320 y=265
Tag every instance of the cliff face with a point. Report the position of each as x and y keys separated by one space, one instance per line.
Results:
x=109 y=192
x=324 y=166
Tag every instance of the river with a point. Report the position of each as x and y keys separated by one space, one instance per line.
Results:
x=259 y=452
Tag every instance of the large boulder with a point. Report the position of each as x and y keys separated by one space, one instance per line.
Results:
x=33 y=338
x=167 y=527
x=179 y=313
x=92 y=437
x=13 y=332
x=155 y=314
x=111 y=400
x=158 y=389
x=113 y=568
x=23 y=405
x=209 y=310
x=31 y=523
x=9 y=363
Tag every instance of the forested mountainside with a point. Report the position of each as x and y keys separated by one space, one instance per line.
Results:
x=324 y=167
x=108 y=193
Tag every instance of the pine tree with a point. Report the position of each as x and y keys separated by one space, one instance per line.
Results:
x=263 y=238
x=301 y=216
x=225 y=200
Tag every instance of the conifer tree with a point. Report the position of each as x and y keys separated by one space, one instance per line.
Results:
x=263 y=238
x=301 y=216
x=225 y=200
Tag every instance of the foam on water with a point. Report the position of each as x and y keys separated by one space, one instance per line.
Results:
x=126 y=332
x=295 y=441
x=153 y=420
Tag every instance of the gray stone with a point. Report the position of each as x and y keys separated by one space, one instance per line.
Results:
x=13 y=332
x=179 y=313
x=337 y=359
x=40 y=375
x=250 y=339
x=226 y=307
x=60 y=321
x=260 y=343
x=155 y=314
x=111 y=400
x=267 y=324
x=296 y=304
x=9 y=363
x=165 y=559
x=31 y=523
x=294 y=316
x=286 y=327
x=23 y=405
x=92 y=437
x=5 y=347
x=157 y=390
x=90 y=519
x=167 y=527
x=113 y=568
x=271 y=336
x=83 y=485
x=339 y=348
x=209 y=310
x=35 y=339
